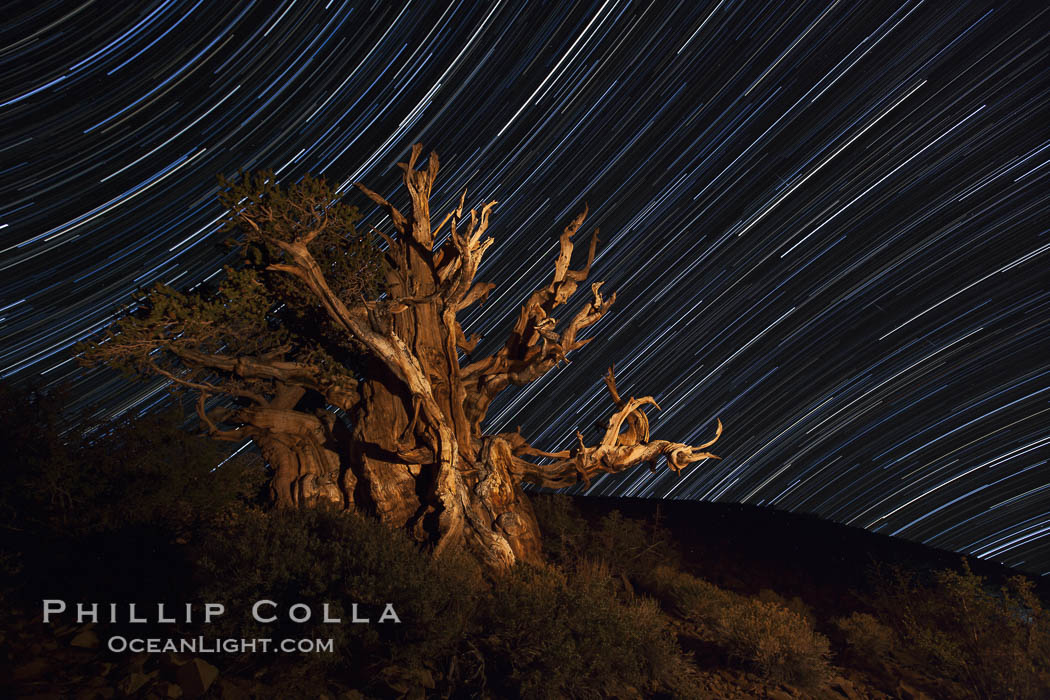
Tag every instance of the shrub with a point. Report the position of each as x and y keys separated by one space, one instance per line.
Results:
x=795 y=604
x=764 y=636
x=997 y=643
x=629 y=545
x=548 y=634
x=563 y=527
x=64 y=480
x=687 y=596
x=319 y=555
x=775 y=642
x=865 y=636
x=151 y=471
x=97 y=510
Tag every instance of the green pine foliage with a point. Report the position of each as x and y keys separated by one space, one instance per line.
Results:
x=253 y=309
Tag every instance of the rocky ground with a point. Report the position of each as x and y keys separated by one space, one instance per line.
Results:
x=823 y=564
x=713 y=678
x=69 y=662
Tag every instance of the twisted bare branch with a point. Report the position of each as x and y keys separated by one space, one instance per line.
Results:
x=535 y=344
x=616 y=451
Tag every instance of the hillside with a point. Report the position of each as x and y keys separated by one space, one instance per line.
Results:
x=640 y=599
x=748 y=548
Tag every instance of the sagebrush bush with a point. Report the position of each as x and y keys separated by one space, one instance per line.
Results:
x=996 y=642
x=866 y=637
x=629 y=545
x=763 y=636
x=775 y=642
x=687 y=596
x=795 y=604
x=544 y=633
x=319 y=555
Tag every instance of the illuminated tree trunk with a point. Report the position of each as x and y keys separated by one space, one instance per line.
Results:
x=488 y=512
x=419 y=444
x=415 y=453
x=394 y=472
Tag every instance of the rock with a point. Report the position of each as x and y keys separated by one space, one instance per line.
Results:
x=137 y=660
x=195 y=677
x=170 y=663
x=85 y=639
x=170 y=690
x=96 y=694
x=844 y=688
x=628 y=692
x=908 y=692
x=133 y=683
x=228 y=690
x=29 y=671
x=778 y=694
x=407 y=681
x=396 y=678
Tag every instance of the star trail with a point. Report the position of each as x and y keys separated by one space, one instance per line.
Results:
x=826 y=223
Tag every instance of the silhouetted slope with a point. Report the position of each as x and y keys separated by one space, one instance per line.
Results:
x=748 y=548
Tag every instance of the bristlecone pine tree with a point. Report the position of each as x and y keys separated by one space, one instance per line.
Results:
x=346 y=366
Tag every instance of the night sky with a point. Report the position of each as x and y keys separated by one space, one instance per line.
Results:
x=826 y=223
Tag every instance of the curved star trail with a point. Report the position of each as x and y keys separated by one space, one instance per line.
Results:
x=826 y=223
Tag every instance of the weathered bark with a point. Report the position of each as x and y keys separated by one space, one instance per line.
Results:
x=415 y=453
x=418 y=440
x=306 y=451
x=467 y=499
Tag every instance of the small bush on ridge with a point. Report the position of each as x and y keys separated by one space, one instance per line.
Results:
x=547 y=634
x=321 y=555
x=775 y=642
x=996 y=643
x=687 y=596
x=866 y=637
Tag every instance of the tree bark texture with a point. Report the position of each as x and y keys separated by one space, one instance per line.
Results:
x=413 y=451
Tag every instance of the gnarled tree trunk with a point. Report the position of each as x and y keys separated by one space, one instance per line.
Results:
x=413 y=451
x=419 y=456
